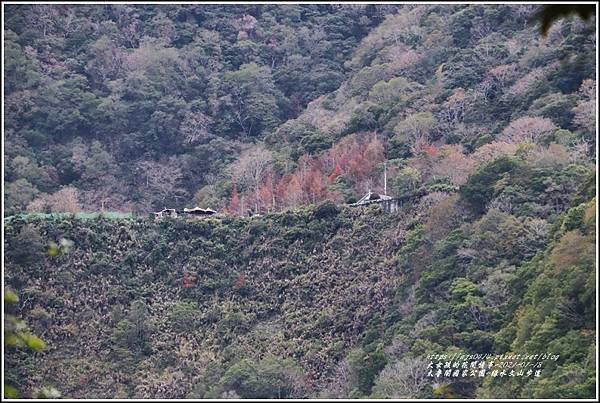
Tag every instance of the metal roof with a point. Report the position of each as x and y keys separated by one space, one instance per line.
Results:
x=199 y=210
x=371 y=197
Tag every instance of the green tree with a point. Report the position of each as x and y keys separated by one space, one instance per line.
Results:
x=414 y=131
x=270 y=378
x=250 y=100
x=184 y=317
x=134 y=331
x=20 y=68
x=18 y=194
x=479 y=189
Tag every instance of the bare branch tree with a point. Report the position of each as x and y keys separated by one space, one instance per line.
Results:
x=250 y=170
x=403 y=379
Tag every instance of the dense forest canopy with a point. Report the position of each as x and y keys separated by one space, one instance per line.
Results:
x=132 y=106
x=137 y=107
x=286 y=113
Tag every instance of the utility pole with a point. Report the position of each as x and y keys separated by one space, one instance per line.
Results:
x=385 y=177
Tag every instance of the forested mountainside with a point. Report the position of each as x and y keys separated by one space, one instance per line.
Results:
x=263 y=107
x=291 y=111
x=322 y=301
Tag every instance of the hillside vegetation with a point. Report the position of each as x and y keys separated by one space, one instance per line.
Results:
x=263 y=107
x=322 y=301
x=185 y=300
x=286 y=113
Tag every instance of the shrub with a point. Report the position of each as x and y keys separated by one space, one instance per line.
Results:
x=326 y=210
x=479 y=189
x=270 y=378
x=184 y=317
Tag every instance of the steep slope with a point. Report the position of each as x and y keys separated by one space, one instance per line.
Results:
x=468 y=103
x=322 y=301
x=136 y=107
x=558 y=314
x=145 y=308
x=174 y=91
